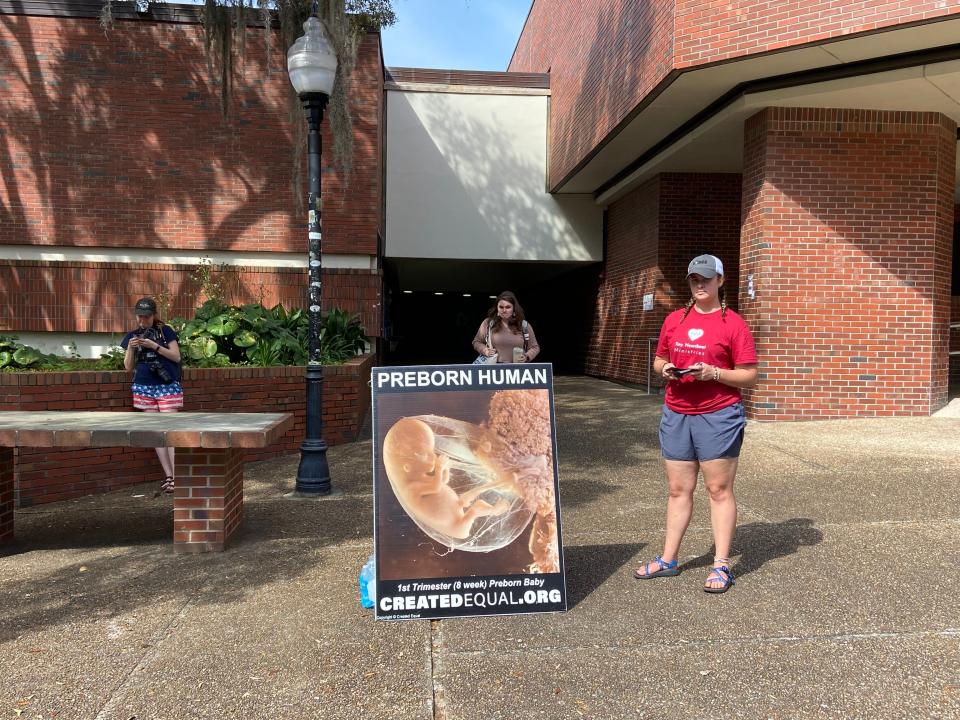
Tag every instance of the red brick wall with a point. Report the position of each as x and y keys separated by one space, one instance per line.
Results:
x=358 y=291
x=699 y=213
x=49 y=474
x=352 y=204
x=848 y=219
x=605 y=57
x=618 y=348
x=116 y=140
x=711 y=30
x=652 y=234
x=98 y=297
x=43 y=296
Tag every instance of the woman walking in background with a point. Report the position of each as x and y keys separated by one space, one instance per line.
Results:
x=706 y=354
x=506 y=333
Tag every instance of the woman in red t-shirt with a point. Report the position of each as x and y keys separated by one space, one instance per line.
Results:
x=706 y=354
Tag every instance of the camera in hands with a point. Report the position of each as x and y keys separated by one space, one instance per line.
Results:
x=150 y=356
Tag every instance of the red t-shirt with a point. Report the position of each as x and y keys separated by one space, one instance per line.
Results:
x=719 y=341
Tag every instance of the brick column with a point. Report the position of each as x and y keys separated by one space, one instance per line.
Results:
x=847 y=232
x=6 y=495
x=208 y=500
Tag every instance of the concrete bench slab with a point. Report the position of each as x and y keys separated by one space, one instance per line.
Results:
x=208 y=499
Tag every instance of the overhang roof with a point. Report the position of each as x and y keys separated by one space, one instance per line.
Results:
x=693 y=121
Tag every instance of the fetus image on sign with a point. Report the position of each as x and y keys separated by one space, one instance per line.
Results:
x=470 y=488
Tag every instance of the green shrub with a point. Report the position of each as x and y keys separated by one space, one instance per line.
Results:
x=15 y=356
x=219 y=336
x=112 y=359
x=341 y=336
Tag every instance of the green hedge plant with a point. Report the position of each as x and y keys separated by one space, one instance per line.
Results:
x=15 y=356
x=221 y=335
x=342 y=336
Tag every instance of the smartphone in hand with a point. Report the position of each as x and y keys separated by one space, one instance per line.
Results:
x=680 y=372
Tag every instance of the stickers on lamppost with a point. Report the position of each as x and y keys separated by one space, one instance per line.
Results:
x=465 y=487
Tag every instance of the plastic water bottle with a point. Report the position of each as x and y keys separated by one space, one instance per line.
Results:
x=368 y=583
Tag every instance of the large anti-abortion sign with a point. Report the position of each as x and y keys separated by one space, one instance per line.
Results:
x=465 y=486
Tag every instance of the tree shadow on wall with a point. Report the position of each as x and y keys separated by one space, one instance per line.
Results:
x=490 y=180
x=760 y=542
x=622 y=63
x=117 y=140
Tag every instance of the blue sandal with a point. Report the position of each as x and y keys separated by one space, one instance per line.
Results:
x=664 y=569
x=723 y=574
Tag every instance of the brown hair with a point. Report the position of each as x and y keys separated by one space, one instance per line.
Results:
x=721 y=291
x=515 y=323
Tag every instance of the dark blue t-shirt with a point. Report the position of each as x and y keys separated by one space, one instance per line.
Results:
x=144 y=375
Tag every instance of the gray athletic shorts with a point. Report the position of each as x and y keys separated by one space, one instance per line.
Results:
x=702 y=437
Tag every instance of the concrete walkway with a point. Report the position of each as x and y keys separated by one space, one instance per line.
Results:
x=847 y=603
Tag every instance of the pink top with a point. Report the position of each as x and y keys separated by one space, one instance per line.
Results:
x=504 y=341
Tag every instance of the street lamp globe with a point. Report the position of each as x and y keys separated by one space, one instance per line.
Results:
x=311 y=62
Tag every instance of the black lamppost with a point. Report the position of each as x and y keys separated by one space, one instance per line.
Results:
x=312 y=65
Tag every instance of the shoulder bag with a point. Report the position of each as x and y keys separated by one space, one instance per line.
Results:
x=485 y=359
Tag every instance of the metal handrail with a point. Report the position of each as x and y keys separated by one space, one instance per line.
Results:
x=650 y=356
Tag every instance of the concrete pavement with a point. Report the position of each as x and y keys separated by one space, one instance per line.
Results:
x=846 y=605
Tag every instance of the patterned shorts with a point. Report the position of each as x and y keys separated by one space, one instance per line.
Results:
x=164 y=398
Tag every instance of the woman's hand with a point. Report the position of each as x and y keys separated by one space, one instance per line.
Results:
x=703 y=371
x=665 y=371
x=144 y=343
x=489 y=351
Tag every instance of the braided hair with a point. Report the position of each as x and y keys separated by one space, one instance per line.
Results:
x=723 y=305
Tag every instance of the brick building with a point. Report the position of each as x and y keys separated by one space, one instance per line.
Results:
x=120 y=172
x=811 y=145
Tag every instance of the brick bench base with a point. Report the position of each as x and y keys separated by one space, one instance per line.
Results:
x=208 y=497
x=6 y=495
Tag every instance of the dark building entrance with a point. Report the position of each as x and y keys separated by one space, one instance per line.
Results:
x=433 y=308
